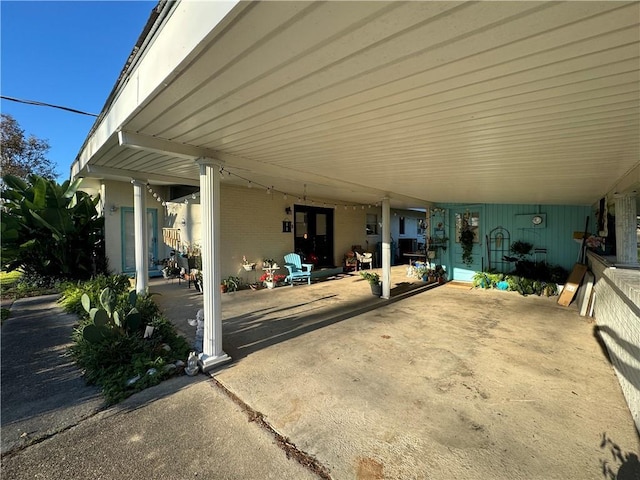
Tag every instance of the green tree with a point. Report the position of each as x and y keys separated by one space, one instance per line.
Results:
x=22 y=156
x=50 y=230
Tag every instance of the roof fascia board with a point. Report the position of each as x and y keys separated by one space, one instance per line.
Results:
x=97 y=171
x=179 y=39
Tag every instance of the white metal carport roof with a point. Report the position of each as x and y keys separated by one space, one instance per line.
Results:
x=505 y=102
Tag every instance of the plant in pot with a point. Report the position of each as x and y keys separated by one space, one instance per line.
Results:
x=247 y=265
x=271 y=279
x=466 y=242
x=229 y=284
x=374 y=282
x=441 y=274
x=425 y=273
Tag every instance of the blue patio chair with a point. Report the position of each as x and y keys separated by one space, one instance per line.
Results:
x=297 y=269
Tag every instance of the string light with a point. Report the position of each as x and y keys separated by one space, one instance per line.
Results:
x=269 y=190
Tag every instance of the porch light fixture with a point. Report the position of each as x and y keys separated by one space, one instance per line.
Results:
x=113 y=208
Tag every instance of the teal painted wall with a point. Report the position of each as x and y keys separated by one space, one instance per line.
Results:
x=556 y=235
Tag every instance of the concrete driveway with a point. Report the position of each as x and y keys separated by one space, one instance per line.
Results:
x=445 y=383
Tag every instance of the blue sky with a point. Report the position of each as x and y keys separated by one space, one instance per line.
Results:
x=64 y=53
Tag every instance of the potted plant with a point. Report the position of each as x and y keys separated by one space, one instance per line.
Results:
x=521 y=249
x=441 y=274
x=466 y=242
x=425 y=273
x=271 y=279
x=229 y=284
x=374 y=282
x=248 y=266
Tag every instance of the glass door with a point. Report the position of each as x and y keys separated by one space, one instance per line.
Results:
x=314 y=234
x=467 y=261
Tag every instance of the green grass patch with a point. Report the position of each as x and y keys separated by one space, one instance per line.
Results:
x=4 y=312
x=9 y=279
x=16 y=284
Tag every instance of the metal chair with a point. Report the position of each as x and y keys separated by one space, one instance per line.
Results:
x=364 y=258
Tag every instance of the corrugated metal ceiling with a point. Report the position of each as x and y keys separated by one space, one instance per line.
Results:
x=507 y=102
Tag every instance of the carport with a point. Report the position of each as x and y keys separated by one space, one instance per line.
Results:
x=402 y=104
x=448 y=382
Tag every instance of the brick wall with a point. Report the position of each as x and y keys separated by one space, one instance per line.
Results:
x=251 y=225
x=617 y=313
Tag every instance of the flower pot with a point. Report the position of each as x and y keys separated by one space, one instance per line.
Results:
x=223 y=288
x=270 y=285
x=248 y=267
x=376 y=289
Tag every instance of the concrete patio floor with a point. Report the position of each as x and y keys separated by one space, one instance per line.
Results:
x=445 y=383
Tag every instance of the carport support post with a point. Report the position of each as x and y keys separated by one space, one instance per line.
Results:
x=386 y=248
x=140 y=235
x=626 y=233
x=212 y=354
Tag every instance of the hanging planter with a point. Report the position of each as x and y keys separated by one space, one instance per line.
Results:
x=466 y=242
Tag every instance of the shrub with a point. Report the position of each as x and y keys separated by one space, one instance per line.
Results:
x=49 y=229
x=114 y=354
x=522 y=285
x=72 y=292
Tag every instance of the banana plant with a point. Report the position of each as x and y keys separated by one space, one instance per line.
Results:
x=50 y=229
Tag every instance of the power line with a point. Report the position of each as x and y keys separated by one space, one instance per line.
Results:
x=42 y=104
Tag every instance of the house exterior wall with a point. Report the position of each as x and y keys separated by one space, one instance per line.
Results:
x=617 y=314
x=114 y=196
x=251 y=226
x=556 y=235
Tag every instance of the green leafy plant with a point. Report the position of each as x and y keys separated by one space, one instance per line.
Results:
x=522 y=285
x=372 y=278
x=521 y=249
x=106 y=320
x=231 y=283
x=423 y=271
x=466 y=242
x=72 y=292
x=50 y=230
x=120 y=360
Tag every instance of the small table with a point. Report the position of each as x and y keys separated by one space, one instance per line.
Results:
x=415 y=256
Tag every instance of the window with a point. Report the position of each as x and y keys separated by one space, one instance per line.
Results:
x=472 y=220
x=402 y=226
x=372 y=224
